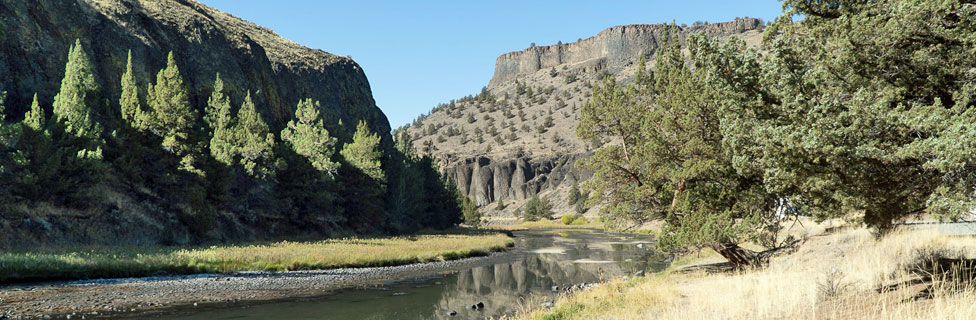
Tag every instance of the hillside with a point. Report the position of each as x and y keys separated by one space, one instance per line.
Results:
x=36 y=36
x=166 y=154
x=518 y=136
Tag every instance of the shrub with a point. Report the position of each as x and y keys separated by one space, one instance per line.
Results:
x=580 y=220
x=567 y=219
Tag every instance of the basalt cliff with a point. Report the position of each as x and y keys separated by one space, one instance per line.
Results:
x=518 y=136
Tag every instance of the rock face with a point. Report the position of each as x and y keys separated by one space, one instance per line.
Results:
x=502 y=147
x=35 y=36
x=34 y=39
x=611 y=49
x=485 y=181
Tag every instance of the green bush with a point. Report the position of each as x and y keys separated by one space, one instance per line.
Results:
x=567 y=219
x=580 y=220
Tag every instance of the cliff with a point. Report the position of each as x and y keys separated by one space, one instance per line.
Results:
x=486 y=181
x=35 y=36
x=611 y=49
x=34 y=39
x=519 y=138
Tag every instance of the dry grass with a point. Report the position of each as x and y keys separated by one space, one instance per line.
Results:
x=546 y=224
x=832 y=276
x=102 y=262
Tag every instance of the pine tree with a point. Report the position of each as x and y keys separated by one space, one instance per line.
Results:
x=364 y=152
x=472 y=216
x=218 y=101
x=173 y=116
x=79 y=99
x=255 y=142
x=130 y=102
x=222 y=125
x=574 y=194
x=46 y=163
x=307 y=135
x=35 y=118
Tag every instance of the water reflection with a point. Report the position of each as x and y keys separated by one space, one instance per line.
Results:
x=546 y=259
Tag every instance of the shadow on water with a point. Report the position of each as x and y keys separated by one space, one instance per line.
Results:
x=544 y=259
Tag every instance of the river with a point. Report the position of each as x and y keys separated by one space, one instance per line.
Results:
x=543 y=264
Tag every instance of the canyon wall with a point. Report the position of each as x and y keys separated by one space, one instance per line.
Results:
x=486 y=181
x=612 y=48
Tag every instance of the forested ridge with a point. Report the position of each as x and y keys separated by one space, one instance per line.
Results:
x=211 y=165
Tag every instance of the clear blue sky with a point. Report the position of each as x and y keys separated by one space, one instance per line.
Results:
x=417 y=54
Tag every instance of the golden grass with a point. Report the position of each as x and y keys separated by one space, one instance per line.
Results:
x=851 y=263
x=547 y=224
x=84 y=263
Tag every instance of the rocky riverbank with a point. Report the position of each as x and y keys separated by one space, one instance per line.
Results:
x=98 y=298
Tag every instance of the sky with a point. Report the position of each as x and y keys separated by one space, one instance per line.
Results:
x=418 y=53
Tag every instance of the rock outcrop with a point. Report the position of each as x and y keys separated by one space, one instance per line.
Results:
x=522 y=139
x=485 y=180
x=35 y=36
x=611 y=49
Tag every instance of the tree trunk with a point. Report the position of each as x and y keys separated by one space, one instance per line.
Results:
x=738 y=256
x=741 y=257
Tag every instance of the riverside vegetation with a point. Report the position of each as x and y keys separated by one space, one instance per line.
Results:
x=114 y=262
x=205 y=163
x=862 y=111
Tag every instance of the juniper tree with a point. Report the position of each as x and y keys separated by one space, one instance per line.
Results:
x=364 y=152
x=45 y=164
x=222 y=125
x=472 y=216
x=34 y=118
x=131 y=105
x=254 y=141
x=79 y=100
x=173 y=119
x=869 y=119
x=216 y=104
x=671 y=162
x=307 y=135
x=537 y=208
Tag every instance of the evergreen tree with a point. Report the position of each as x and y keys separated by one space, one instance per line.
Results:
x=35 y=119
x=441 y=196
x=216 y=104
x=132 y=112
x=222 y=125
x=255 y=142
x=673 y=164
x=472 y=216
x=173 y=117
x=574 y=194
x=537 y=208
x=44 y=163
x=364 y=152
x=872 y=115
x=78 y=101
x=307 y=135
x=405 y=205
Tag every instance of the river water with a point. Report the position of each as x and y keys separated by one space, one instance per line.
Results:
x=543 y=260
